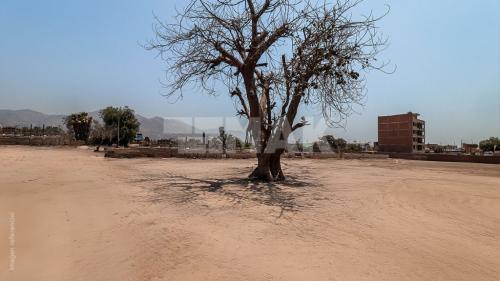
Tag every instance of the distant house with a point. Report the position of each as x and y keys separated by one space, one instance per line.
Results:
x=470 y=148
x=451 y=148
x=431 y=147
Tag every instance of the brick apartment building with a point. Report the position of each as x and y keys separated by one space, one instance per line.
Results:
x=401 y=133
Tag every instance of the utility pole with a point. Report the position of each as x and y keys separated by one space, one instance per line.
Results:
x=118 y=141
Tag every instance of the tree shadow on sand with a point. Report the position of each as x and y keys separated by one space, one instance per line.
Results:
x=170 y=188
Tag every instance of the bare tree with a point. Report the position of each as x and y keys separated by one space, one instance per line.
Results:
x=273 y=56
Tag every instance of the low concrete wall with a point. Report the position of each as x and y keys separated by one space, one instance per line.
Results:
x=331 y=155
x=166 y=152
x=138 y=152
x=241 y=155
x=447 y=158
x=34 y=140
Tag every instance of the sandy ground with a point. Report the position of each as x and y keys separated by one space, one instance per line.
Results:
x=70 y=214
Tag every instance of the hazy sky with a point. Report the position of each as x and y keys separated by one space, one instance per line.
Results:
x=67 y=56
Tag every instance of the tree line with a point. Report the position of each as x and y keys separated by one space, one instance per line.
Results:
x=118 y=125
x=491 y=144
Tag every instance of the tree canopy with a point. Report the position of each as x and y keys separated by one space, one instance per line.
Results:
x=120 y=121
x=489 y=144
x=79 y=125
x=336 y=144
x=272 y=56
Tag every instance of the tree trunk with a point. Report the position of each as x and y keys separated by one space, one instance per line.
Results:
x=268 y=167
x=275 y=166
x=262 y=171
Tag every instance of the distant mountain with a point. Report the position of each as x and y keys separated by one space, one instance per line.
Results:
x=155 y=128
x=158 y=127
x=25 y=117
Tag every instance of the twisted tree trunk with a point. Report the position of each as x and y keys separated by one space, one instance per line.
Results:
x=269 y=167
x=275 y=166
x=263 y=169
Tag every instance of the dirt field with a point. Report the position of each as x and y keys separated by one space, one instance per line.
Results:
x=70 y=214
